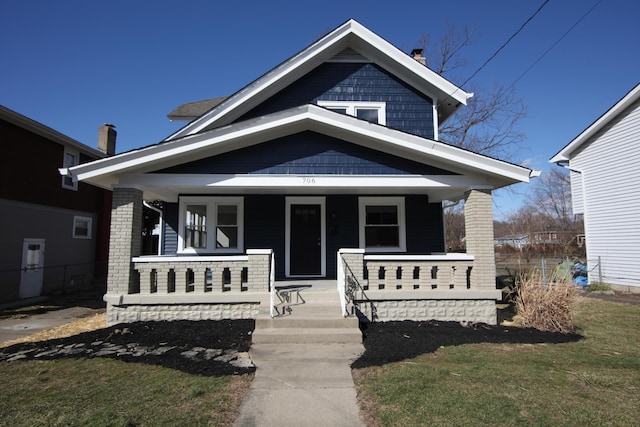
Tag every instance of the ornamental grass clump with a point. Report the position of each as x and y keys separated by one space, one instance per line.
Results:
x=547 y=307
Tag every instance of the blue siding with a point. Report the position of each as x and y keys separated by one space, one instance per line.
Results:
x=306 y=153
x=170 y=229
x=265 y=226
x=425 y=226
x=407 y=110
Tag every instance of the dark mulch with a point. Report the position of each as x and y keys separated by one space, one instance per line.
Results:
x=180 y=345
x=146 y=342
x=387 y=342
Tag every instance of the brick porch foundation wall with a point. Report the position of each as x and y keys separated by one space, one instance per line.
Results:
x=141 y=313
x=477 y=311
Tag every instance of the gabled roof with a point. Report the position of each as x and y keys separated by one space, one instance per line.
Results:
x=350 y=37
x=38 y=128
x=110 y=172
x=566 y=153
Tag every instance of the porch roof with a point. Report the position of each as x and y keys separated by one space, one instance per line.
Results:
x=132 y=169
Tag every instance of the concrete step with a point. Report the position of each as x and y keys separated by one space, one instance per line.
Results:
x=306 y=322
x=307 y=336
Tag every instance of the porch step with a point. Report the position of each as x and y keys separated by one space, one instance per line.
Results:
x=314 y=318
x=307 y=336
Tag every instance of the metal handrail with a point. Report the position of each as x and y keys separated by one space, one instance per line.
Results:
x=272 y=286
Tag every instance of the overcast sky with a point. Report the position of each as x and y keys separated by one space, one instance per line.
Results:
x=74 y=65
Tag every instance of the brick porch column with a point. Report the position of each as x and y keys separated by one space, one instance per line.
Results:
x=125 y=241
x=478 y=220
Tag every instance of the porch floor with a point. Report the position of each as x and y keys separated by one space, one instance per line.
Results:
x=308 y=312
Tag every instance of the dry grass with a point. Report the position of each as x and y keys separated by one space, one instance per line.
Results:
x=545 y=307
x=92 y=323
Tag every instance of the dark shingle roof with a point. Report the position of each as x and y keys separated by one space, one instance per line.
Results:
x=192 y=110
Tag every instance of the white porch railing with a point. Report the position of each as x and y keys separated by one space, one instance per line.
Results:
x=364 y=277
x=200 y=279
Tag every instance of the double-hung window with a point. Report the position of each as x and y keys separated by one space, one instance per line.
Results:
x=382 y=224
x=374 y=112
x=211 y=225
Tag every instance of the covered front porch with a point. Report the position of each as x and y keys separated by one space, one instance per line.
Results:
x=411 y=280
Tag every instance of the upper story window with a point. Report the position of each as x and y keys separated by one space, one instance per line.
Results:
x=382 y=224
x=374 y=112
x=211 y=225
x=71 y=158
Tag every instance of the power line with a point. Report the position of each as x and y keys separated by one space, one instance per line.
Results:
x=506 y=43
x=554 y=44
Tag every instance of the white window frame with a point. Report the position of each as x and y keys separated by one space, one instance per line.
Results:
x=353 y=106
x=211 y=204
x=78 y=218
x=398 y=202
x=65 y=164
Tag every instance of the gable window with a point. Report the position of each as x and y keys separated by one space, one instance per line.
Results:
x=382 y=224
x=374 y=112
x=81 y=227
x=70 y=159
x=211 y=224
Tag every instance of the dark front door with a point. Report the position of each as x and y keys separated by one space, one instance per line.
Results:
x=306 y=240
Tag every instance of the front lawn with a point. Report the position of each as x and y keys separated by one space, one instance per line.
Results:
x=592 y=381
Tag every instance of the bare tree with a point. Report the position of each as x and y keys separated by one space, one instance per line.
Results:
x=488 y=125
x=551 y=199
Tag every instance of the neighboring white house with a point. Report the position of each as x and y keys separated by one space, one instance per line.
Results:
x=603 y=161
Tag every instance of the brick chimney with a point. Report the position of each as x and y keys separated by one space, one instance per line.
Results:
x=107 y=139
x=417 y=55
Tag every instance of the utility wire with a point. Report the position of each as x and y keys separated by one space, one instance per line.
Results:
x=506 y=43
x=554 y=44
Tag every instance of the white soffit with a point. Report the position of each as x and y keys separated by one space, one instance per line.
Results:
x=298 y=119
x=350 y=34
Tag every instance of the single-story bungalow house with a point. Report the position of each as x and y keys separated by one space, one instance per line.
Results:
x=326 y=167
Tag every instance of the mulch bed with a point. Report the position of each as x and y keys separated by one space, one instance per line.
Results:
x=395 y=341
x=210 y=348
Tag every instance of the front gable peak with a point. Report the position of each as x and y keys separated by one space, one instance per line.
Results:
x=350 y=42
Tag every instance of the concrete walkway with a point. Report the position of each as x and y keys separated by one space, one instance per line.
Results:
x=303 y=364
x=301 y=385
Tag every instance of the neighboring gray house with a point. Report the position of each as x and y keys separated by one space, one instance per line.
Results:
x=55 y=232
x=326 y=167
x=604 y=187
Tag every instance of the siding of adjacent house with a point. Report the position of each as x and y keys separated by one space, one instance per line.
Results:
x=264 y=225
x=610 y=178
x=33 y=204
x=406 y=109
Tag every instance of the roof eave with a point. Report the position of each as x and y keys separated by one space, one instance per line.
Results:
x=105 y=172
x=565 y=153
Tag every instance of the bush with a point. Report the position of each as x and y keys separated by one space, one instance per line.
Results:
x=545 y=307
x=598 y=287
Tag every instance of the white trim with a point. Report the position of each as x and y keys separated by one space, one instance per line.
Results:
x=200 y=258
x=89 y=221
x=353 y=106
x=211 y=204
x=398 y=202
x=565 y=154
x=444 y=257
x=108 y=172
x=321 y=201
